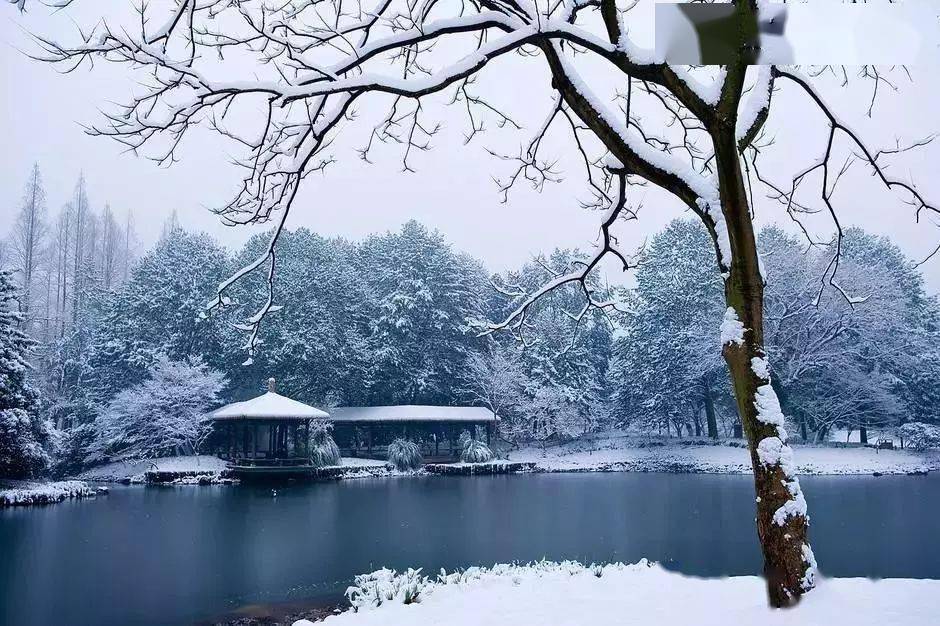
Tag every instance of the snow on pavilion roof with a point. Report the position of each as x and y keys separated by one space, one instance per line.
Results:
x=268 y=406
x=412 y=413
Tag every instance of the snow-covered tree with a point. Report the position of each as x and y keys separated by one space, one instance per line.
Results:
x=838 y=363
x=23 y=433
x=632 y=117
x=496 y=380
x=425 y=297
x=668 y=371
x=159 y=312
x=563 y=346
x=317 y=348
x=165 y=415
x=28 y=241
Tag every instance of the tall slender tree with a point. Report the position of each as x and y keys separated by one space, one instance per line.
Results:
x=29 y=238
x=80 y=218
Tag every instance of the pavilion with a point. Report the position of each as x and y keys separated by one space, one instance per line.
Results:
x=265 y=435
x=367 y=430
x=270 y=434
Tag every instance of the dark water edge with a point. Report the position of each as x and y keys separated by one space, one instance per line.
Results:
x=277 y=614
x=202 y=555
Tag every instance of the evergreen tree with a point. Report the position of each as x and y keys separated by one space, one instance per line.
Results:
x=425 y=297
x=667 y=363
x=317 y=346
x=23 y=434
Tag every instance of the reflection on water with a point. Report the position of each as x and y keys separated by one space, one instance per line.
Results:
x=165 y=555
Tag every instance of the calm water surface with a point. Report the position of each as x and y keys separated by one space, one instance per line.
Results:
x=175 y=555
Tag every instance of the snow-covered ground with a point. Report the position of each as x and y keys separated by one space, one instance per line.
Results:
x=38 y=492
x=619 y=452
x=569 y=594
x=609 y=452
x=135 y=470
x=357 y=462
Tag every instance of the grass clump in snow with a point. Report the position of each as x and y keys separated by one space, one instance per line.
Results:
x=475 y=452
x=323 y=450
x=387 y=586
x=405 y=455
x=371 y=591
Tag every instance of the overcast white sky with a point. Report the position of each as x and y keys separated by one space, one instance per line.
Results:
x=41 y=113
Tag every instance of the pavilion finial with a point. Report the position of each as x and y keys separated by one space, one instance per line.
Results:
x=272 y=385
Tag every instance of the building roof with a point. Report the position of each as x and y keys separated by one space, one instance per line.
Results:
x=268 y=406
x=411 y=413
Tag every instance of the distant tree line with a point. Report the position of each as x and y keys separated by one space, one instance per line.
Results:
x=862 y=354
x=125 y=360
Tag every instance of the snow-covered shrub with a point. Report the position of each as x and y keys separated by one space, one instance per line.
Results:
x=405 y=455
x=45 y=493
x=474 y=451
x=371 y=591
x=464 y=438
x=920 y=436
x=323 y=450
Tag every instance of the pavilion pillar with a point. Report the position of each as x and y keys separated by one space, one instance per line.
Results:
x=306 y=439
x=489 y=432
x=254 y=440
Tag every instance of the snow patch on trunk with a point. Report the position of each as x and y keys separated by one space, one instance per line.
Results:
x=794 y=507
x=732 y=330
x=760 y=367
x=768 y=408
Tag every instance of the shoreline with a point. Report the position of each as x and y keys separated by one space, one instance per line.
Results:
x=597 y=455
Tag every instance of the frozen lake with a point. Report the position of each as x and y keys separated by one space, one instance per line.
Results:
x=177 y=555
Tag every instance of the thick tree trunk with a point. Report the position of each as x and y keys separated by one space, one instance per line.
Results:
x=789 y=566
x=863 y=435
x=710 y=412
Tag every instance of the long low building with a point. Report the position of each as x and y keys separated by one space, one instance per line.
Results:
x=271 y=433
x=367 y=430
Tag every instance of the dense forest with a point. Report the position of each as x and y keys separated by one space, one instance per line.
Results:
x=107 y=352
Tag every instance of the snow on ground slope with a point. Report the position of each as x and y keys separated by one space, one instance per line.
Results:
x=568 y=594
x=615 y=452
x=122 y=470
x=135 y=470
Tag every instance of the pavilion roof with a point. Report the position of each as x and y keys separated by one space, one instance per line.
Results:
x=412 y=413
x=271 y=405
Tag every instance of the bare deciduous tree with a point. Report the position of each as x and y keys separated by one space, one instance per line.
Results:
x=311 y=60
x=29 y=234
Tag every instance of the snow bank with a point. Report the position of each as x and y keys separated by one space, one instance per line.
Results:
x=190 y=467
x=643 y=594
x=44 y=493
x=631 y=454
x=134 y=471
